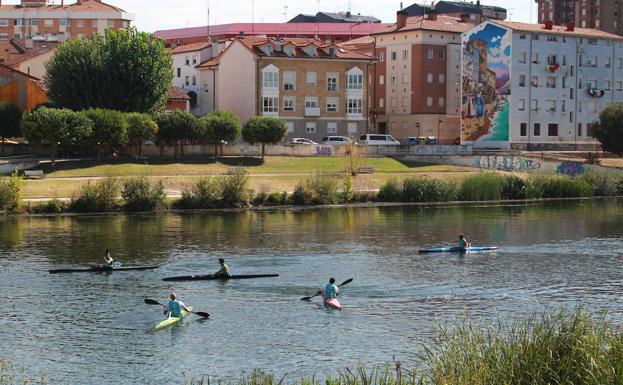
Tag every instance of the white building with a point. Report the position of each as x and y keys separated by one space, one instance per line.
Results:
x=186 y=76
x=531 y=86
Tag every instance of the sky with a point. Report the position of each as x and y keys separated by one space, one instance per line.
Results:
x=152 y=15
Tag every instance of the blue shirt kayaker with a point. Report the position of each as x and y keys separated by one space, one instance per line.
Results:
x=330 y=290
x=462 y=242
x=175 y=307
x=225 y=272
x=108 y=260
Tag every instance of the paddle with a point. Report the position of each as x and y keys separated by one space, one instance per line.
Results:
x=319 y=292
x=154 y=302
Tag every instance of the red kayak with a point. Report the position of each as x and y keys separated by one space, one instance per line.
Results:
x=333 y=303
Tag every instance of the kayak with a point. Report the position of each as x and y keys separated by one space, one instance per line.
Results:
x=172 y=320
x=455 y=249
x=333 y=303
x=212 y=277
x=101 y=269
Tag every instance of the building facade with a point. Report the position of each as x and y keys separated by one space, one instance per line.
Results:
x=39 y=20
x=605 y=15
x=317 y=88
x=475 y=12
x=537 y=87
x=417 y=76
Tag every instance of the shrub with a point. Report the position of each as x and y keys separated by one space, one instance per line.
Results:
x=390 y=191
x=317 y=190
x=484 y=186
x=53 y=206
x=100 y=196
x=235 y=188
x=604 y=184
x=424 y=189
x=226 y=191
x=10 y=192
x=514 y=187
x=365 y=196
x=140 y=194
x=554 y=186
x=347 y=190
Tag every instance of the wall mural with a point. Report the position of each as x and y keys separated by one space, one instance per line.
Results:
x=486 y=84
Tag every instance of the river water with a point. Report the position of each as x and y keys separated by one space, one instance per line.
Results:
x=92 y=328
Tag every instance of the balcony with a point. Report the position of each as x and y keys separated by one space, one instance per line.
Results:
x=312 y=111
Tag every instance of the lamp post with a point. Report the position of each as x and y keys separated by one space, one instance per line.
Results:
x=439 y=131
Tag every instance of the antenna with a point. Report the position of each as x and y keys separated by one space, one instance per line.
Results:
x=208 y=1
x=285 y=13
x=252 y=16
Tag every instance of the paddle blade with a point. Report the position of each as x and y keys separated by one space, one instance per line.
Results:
x=306 y=298
x=346 y=282
x=152 y=302
x=201 y=314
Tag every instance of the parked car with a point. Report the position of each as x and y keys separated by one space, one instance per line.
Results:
x=336 y=140
x=302 y=141
x=378 y=139
x=409 y=140
x=457 y=141
x=426 y=140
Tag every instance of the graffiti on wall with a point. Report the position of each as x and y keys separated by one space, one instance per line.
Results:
x=486 y=84
x=570 y=168
x=506 y=163
x=322 y=150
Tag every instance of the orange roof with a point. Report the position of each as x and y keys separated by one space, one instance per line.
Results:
x=84 y=6
x=210 y=63
x=442 y=24
x=253 y=43
x=190 y=47
x=557 y=29
x=176 y=93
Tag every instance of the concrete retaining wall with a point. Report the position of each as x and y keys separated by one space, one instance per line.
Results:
x=11 y=164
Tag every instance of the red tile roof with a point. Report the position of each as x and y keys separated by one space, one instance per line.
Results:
x=210 y=62
x=557 y=29
x=190 y=47
x=85 y=6
x=176 y=93
x=254 y=44
x=442 y=24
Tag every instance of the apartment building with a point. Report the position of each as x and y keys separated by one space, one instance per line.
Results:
x=186 y=59
x=605 y=15
x=417 y=76
x=537 y=87
x=39 y=20
x=318 y=88
x=475 y=12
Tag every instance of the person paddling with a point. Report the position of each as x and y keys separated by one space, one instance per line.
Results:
x=108 y=260
x=174 y=307
x=330 y=290
x=225 y=271
x=463 y=244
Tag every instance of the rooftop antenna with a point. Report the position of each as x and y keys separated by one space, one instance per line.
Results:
x=208 y=1
x=285 y=13
x=253 y=16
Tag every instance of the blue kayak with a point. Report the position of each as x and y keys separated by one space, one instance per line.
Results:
x=455 y=249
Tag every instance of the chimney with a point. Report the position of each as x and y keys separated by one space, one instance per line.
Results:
x=549 y=25
x=464 y=17
x=401 y=19
x=570 y=26
x=400 y=5
x=431 y=14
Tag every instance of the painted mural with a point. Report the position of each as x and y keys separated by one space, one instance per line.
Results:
x=486 y=85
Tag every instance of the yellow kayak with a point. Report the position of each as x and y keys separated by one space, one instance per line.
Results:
x=172 y=320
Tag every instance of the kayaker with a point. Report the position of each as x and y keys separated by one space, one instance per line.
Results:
x=225 y=272
x=462 y=242
x=174 y=307
x=108 y=260
x=330 y=290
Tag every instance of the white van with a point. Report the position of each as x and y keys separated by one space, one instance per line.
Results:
x=378 y=139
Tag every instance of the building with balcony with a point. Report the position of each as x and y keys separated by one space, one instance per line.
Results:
x=39 y=20
x=537 y=87
x=318 y=88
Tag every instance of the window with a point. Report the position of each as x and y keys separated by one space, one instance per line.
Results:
x=619 y=85
x=620 y=63
x=563 y=106
x=579 y=129
x=125 y=24
x=535 y=36
x=442 y=78
x=355 y=81
x=4 y=22
x=290 y=126
x=522 y=36
x=430 y=54
x=354 y=106
x=535 y=81
x=36 y=21
x=194 y=59
x=270 y=79
x=534 y=104
x=352 y=127
x=523 y=129
x=332 y=81
x=608 y=62
x=270 y=104
x=62 y=22
x=393 y=55
x=289 y=104
x=187 y=80
x=381 y=57
x=48 y=22
x=537 y=129
x=523 y=57
x=20 y=22
x=289 y=80
x=331 y=127
x=550 y=82
x=442 y=54
x=94 y=23
x=394 y=79
x=522 y=80
x=194 y=80
x=442 y=102
x=187 y=60
x=332 y=104
x=405 y=102
x=429 y=77
x=591 y=61
x=381 y=103
x=591 y=107
x=535 y=58
x=607 y=85
x=591 y=83
x=552 y=129
x=311 y=102
x=405 y=54
x=592 y=41
x=111 y=23
x=564 y=82
x=79 y=23
x=551 y=60
x=311 y=78
x=381 y=79
x=550 y=105
x=4 y=36
x=429 y=101
x=310 y=127
x=393 y=102
x=521 y=104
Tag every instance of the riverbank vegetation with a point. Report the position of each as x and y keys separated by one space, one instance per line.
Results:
x=10 y=374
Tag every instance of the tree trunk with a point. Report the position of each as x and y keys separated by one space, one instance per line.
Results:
x=221 y=149
x=263 y=151
x=140 y=149
x=53 y=155
x=182 y=149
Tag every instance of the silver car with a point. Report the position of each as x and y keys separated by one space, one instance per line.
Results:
x=302 y=141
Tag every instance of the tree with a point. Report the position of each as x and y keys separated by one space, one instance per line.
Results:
x=609 y=129
x=110 y=128
x=141 y=127
x=125 y=70
x=175 y=127
x=51 y=127
x=264 y=130
x=10 y=116
x=219 y=126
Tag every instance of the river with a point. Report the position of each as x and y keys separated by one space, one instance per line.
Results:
x=92 y=328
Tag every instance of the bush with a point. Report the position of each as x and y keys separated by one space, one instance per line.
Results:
x=10 y=192
x=484 y=186
x=100 y=196
x=365 y=196
x=226 y=191
x=514 y=187
x=390 y=191
x=317 y=190
x=604 y=184
x=140 y=194
x=553 y=186
x=53 y=206
x=347 y=190
x=424 y=189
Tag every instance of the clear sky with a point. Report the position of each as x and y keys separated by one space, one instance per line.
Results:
x=152 y=15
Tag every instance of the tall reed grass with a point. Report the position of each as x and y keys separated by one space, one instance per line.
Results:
x=100 y=196
x=10 y=192
x=225 y=191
